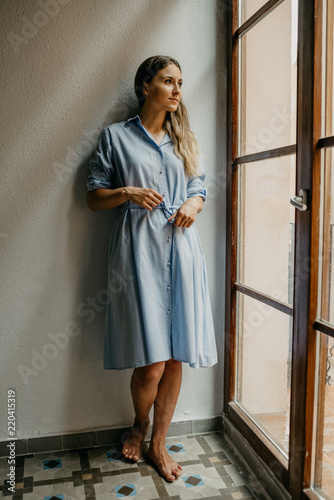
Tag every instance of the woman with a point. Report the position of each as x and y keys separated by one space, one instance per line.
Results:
x=159 y=314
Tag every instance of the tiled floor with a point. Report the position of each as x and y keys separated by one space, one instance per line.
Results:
x=211 y=470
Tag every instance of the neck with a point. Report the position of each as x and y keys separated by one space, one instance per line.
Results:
x=152 y=119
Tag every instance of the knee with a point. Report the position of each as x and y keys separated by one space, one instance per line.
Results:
x=174 y=365
x=150 y=375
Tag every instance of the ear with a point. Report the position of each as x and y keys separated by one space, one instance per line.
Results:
x=145 y=88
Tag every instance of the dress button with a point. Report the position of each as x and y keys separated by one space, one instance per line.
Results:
x=168 y=264
x=168 y=239
x=168 y=312
x=168 y=288
x=161 y=171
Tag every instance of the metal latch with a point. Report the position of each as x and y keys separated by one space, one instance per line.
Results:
x=300 y=201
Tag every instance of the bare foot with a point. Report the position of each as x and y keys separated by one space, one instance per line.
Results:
x=168 y=468
x=133 y=443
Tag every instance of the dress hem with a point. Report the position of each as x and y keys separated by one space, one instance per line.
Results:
x=192 y=365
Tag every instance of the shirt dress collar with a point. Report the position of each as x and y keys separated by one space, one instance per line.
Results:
x=137 y=120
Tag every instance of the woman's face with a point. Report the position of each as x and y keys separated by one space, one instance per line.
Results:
x=164 y=91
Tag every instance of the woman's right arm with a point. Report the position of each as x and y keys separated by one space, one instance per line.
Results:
x=104 y=199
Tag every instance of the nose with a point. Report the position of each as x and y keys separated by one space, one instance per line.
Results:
x=177 y=89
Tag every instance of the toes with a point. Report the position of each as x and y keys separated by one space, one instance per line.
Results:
x=130 y=454
x=169 y=477
x=130 y=451
x=176 y=472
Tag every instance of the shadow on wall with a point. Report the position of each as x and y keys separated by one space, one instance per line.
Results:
x=92 y=277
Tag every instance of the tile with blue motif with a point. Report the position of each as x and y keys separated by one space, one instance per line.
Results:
x=55 y=497
x=175 y=448
x=114 y=456
x=125 y=490
x=54 y=463
x=194 y=480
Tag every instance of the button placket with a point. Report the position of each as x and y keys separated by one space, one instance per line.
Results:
x=162 y=174
x=169 y=267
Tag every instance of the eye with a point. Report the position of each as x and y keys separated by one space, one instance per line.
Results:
x=168 y=80
x=180 y=84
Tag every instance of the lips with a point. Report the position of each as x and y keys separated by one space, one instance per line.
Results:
x=175 y=100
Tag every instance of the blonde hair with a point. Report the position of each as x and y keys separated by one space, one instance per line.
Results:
x=186 y=146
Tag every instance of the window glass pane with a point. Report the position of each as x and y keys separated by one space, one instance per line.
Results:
x=324 y=442
x=328 y=68
x=266 y=226
x=263 y=367
x=248 y=7
x=267 y=94
x=326 y=257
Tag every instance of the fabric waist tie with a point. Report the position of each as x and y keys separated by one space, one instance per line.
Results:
x=167 y=211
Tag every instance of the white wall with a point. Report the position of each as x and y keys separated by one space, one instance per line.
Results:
x=67 y=71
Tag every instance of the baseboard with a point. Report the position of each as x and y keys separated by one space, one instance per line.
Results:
x=105 y=437
x=253 y=462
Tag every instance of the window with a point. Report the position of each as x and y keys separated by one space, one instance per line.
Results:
x=279 y=375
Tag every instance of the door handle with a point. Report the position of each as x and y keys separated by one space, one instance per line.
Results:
x=300 y=201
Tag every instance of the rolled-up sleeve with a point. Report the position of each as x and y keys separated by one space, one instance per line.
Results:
x=195 y=185
x=101 y=167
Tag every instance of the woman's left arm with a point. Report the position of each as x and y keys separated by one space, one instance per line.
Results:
x=186 y=214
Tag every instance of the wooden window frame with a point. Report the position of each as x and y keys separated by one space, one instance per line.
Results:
x=295 y=473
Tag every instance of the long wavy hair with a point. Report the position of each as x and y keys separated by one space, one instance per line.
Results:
x=176 y=123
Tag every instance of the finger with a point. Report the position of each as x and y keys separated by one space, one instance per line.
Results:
x=153 y=200
x=146 y=205
x=156 y=201
x=189 y=222
x=157 y=196
x=184 y=223
x=151 y=203
x=181 y=220
x=173 y=216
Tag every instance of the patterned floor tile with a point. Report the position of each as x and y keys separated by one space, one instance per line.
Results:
x=144 y=487
x=210 y=483
x=35 y=465
x=210 y=471
x=193 y=480
x=216 y=441
x=126 y=490
x=65 y=489
x=108 y=459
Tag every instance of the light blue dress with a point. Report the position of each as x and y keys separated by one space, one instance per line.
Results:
x=158 y=300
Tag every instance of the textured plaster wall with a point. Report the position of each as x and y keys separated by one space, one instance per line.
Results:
x=67 y=71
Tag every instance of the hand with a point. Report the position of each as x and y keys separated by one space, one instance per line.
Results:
x=144 y=197
x=186 y=214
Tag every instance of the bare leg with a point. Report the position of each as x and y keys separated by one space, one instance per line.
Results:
x=164 y=406
x=144 y=388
